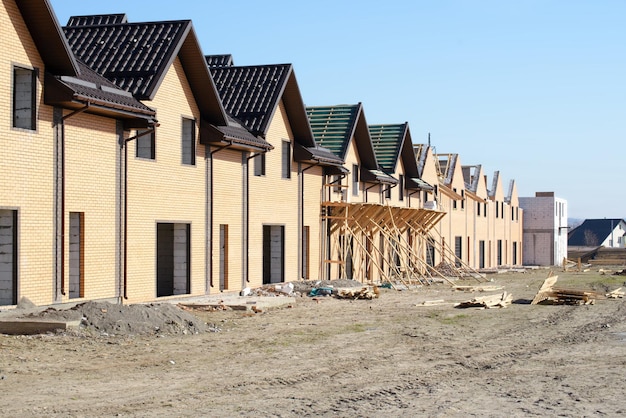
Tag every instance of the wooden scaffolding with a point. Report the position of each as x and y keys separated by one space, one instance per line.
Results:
x=371 y=242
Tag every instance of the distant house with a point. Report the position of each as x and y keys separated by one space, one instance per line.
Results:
x=545 y=226
x=609 y=233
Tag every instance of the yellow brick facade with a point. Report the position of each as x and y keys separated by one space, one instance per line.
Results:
x=165 y=190
x=91 y=175
x=274 y=202
x=228 y=212
x=27 y=183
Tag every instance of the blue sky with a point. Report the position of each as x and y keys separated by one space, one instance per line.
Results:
x=533 y=88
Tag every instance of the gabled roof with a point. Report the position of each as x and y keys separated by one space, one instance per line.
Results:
x=426 y=163
x=102 y=96
x=387 y=141
x=334 y=127
x=136 y=57
x=472 y=175
x=512 y=198
x=496 y=193
x=451 y=175
x=221 y=60
x=48 y=36
x=597 y=229
x=251 y=94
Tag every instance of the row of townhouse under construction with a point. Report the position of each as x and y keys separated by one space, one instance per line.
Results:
x=135 y=167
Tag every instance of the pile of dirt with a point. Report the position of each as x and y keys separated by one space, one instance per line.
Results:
x=109 y=319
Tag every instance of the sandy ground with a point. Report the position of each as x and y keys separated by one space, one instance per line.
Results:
x=385 y=357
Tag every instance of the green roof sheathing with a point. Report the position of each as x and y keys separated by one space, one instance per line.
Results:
x=387 y=141
x=333 y=126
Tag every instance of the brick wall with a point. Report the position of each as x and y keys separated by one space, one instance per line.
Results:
x=26 y=184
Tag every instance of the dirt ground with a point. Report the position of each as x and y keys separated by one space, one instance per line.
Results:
x=389 y=356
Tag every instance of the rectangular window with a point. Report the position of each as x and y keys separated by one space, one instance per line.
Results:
x=454 y=200
x=502 y=210
x=485 y=209
x=146 y=145
x=223 y=257
x=388 y=192
x=401 y=187
x=497 y=209
x=189 y=141
x=306 y=244
x=458 y=252
x=355 y=180
x=462 y=199
x=24 y=98
x=478 y=206
x=337 y=184
x=8 y=257
x=77 y=255
x=259 y=165
x=286 y=159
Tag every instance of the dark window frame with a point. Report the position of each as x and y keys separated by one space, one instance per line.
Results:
x=15 y=121
x=188 y=142
x=285 y=159
x=143 y=136
x=259 y=165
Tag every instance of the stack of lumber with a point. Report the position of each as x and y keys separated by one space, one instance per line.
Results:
x=616 y=294
x=610 y=257
x=366 y=292
x=486 y=302
x=560 y=296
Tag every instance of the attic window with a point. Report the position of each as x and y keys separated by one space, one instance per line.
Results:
x=24 y=98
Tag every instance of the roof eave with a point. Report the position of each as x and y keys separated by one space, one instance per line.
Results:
x=48 y=36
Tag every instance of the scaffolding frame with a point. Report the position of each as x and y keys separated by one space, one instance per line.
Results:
x=402 y=256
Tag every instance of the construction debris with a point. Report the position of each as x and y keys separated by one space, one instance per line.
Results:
x=485 y=288
x=432 y=302
x=574 y=265
x=616 y=294
x=366 y=292
x=560 y=296
x=486 y=302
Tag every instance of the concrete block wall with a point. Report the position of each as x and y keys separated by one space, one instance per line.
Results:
x=545 y=233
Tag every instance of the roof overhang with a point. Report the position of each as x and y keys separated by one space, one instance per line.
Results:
x=474 y=196
x=315 y=155
x=48 y=36
x=376 y=176
x=233 y=136
x=58 y=93
x=414 y=183
x=335 y=170
x=449 y=192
